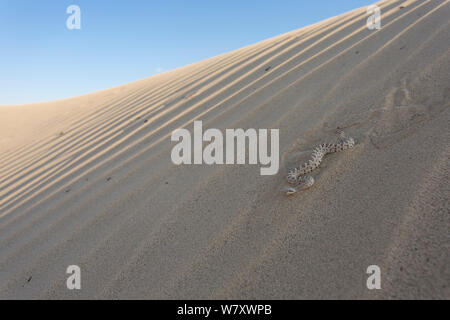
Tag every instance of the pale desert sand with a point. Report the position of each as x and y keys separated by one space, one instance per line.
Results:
x=89 y=181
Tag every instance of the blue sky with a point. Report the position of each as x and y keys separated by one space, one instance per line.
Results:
x=123 y=41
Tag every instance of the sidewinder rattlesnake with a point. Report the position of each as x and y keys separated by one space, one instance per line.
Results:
x=298 y=178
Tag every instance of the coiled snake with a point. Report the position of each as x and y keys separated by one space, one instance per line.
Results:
x=298 y=178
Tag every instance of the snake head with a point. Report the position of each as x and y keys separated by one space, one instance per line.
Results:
x=303 y=183
x=290 y=191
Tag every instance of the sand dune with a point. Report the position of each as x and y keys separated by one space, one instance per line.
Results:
x=88 y=181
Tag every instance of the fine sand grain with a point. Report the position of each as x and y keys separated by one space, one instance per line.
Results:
x=89 y=181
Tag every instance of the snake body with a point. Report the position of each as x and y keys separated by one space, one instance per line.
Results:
x=298 y=177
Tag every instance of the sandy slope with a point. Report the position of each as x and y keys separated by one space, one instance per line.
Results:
x=89 y=181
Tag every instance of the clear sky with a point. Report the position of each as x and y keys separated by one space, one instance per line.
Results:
x=123 y=41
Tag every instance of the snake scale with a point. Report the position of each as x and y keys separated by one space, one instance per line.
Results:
x=298 y=178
